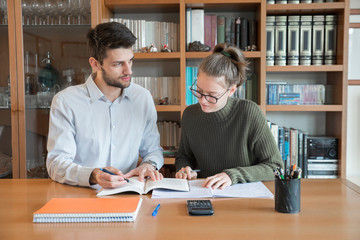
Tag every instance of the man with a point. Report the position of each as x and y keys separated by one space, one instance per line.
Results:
x=106 y=122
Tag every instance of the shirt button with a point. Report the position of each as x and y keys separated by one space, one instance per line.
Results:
x=114 y=126
x=113 y=146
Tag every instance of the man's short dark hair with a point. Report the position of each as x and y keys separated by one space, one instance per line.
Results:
x=109 y=35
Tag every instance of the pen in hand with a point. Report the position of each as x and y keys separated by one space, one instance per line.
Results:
x=156 y=210
x=106 y=171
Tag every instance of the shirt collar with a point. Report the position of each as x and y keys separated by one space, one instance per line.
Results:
x=96 y=94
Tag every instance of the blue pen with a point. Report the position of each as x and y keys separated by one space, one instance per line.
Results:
x=106 y=171
x=156 y=210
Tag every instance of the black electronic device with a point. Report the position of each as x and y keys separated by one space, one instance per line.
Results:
x=200 y=207
x=322 y=147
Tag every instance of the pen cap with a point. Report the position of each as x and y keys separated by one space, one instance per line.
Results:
x=287 y=195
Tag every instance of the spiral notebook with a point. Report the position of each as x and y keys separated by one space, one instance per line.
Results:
x=88 y=210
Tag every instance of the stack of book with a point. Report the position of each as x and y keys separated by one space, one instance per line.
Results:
x=153 y=33
x=301 y=40
x=169 y=136
x=294 y=94
x=292 y=144
x=164 y=90
x=212 y=29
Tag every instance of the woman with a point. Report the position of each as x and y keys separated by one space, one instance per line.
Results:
x=226 y=138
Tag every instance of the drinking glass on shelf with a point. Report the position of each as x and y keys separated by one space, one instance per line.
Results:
x=3 y=12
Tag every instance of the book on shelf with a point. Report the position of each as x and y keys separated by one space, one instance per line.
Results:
x=197 y=25
x=270 y=40
x=281 y=1
x=188 y=27
x=293 y=40
x=291 y=143
x=305 y=39
x=164 y=90
x=213 y=31
x=252 y=35
x=220 y=29
x=237 y=31
x=318 y=40
x=134 y=185
x=152 y=32
x=88 y=210
x=296 y=94
x=270 y=1
x=280 y=40
x=169 y=134
x=207 y=30
x=305 y=1
x=244 y=34
x=228 y=30
x=293 y=1
x=294 y=146
x=330 y=39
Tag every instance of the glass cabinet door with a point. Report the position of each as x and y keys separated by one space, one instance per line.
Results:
x=5 y=109
x=55 y=57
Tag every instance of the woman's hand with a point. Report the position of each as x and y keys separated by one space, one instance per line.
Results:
x=220 y=180
x=186 y=173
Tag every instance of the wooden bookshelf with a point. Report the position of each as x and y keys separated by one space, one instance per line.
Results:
x=335 y=75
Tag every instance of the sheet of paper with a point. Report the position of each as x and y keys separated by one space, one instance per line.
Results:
x=241 y=190
x=245 y=190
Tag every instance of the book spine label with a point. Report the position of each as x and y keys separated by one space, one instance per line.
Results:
x=318 y=40
x=293 y=38
x=305 y=40
x=280 y=40
x=270 y=40
x=330 y=39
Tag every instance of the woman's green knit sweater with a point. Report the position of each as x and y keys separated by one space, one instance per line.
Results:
x=235 y=140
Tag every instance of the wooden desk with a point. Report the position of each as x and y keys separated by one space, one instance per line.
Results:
x=330 y=209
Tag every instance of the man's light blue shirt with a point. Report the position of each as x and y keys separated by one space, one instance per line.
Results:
x=88 y=131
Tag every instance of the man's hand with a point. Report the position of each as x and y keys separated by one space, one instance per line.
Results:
x=107 y=180
x=220 y=180
x=145 y=170
x=186 y=173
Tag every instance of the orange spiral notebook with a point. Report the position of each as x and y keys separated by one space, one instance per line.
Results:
x=88 y=210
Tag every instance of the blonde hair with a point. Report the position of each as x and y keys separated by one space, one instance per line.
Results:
x=228 y=61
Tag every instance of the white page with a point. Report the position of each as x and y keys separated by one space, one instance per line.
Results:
x=241 y=190
x=245 y=190
x=196 y=191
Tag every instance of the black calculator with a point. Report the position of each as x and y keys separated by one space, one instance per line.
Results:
x=200 y=208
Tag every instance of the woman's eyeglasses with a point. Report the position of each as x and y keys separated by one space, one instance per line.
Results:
x=209 y=98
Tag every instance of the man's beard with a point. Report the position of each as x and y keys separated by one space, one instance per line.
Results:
x=113 y=82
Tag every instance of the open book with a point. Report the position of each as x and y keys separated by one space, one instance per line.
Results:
x=134 y=185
